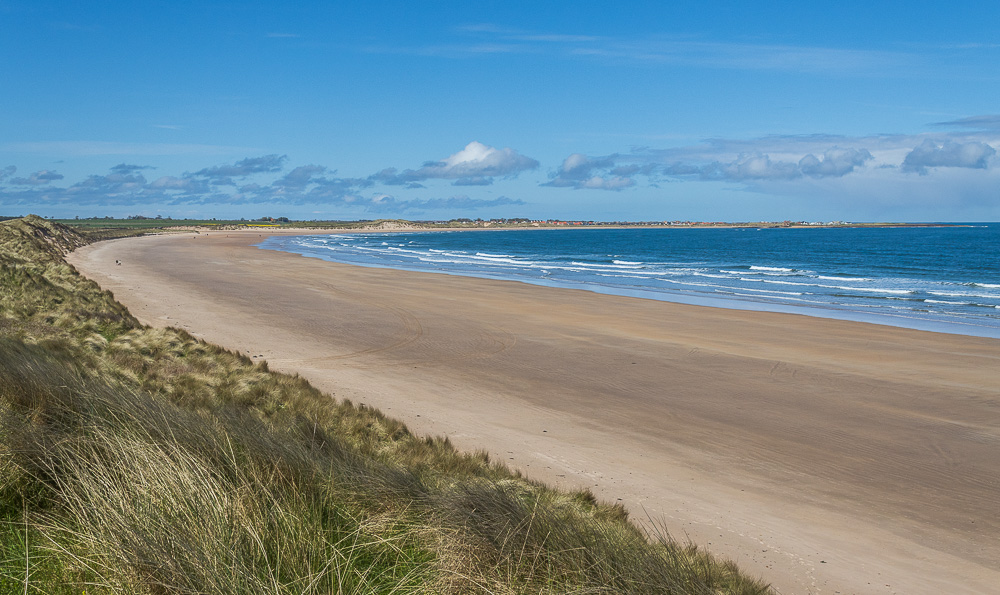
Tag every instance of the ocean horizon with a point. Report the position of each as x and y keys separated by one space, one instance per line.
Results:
x=942 y=279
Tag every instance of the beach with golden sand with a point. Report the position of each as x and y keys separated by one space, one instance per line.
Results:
x=826 y=456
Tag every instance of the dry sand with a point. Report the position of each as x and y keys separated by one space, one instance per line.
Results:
x=825 y=456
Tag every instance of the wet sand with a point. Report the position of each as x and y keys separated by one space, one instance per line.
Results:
x=826 y=456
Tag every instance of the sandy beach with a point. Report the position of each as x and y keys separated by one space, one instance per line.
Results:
x=826 y=456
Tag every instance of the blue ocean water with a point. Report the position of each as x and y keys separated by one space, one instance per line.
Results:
x=945 y=279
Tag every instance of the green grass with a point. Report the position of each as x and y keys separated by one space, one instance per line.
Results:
x=139 y=460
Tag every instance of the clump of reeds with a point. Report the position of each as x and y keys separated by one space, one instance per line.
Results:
x=134 y=494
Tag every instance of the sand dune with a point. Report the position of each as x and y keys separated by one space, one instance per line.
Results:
x=827 y=456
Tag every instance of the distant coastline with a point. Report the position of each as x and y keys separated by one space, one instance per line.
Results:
x=138 y=224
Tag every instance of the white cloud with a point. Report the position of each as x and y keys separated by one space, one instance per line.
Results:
x=596 y=173
x=302 y=176
x=947 y=194
x=475 y=165
x=223 y=174
x=578 y=168
x=930 y=153
x=7 y=172
x=184 y=185
x=857 y=174
x=37 y=178
x=836 y=162
x=822 y=156
x=757 y=167
x=114 y=185
x=859 y=177
x=609 y=183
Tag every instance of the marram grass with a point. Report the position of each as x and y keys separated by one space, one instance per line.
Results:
x=139 y=460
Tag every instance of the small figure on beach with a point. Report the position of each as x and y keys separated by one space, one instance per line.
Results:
x=118 y=262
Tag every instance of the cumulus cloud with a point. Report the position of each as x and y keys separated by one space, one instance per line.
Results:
x=114 y=184
x=835 y=162
x=974 y=155
x=606 y=183
x=475 y=165
x=799 y=167
x=306 y=184
x=887 y=193
x=126 y=185
x=579 y=171
x=112 y=189
x=756 y=166
x=578 y=167
x=301 y=176
x=302 y=186
x=715 y=162
x=224 y=174
x=37 y=178
x=182 y=185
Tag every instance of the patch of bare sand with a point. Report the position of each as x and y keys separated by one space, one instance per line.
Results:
x=826 y=456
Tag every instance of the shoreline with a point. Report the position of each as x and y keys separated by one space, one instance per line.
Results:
x=821 y=454
x=746 y=303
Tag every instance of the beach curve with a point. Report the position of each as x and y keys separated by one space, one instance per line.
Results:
x=823 y=455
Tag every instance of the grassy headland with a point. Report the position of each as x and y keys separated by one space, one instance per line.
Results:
x=140 y=460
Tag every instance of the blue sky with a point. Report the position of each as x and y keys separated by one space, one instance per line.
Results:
x=858 y=111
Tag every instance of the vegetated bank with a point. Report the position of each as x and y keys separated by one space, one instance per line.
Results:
x=141 y=460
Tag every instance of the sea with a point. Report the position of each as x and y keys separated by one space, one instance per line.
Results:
x=939 y=278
